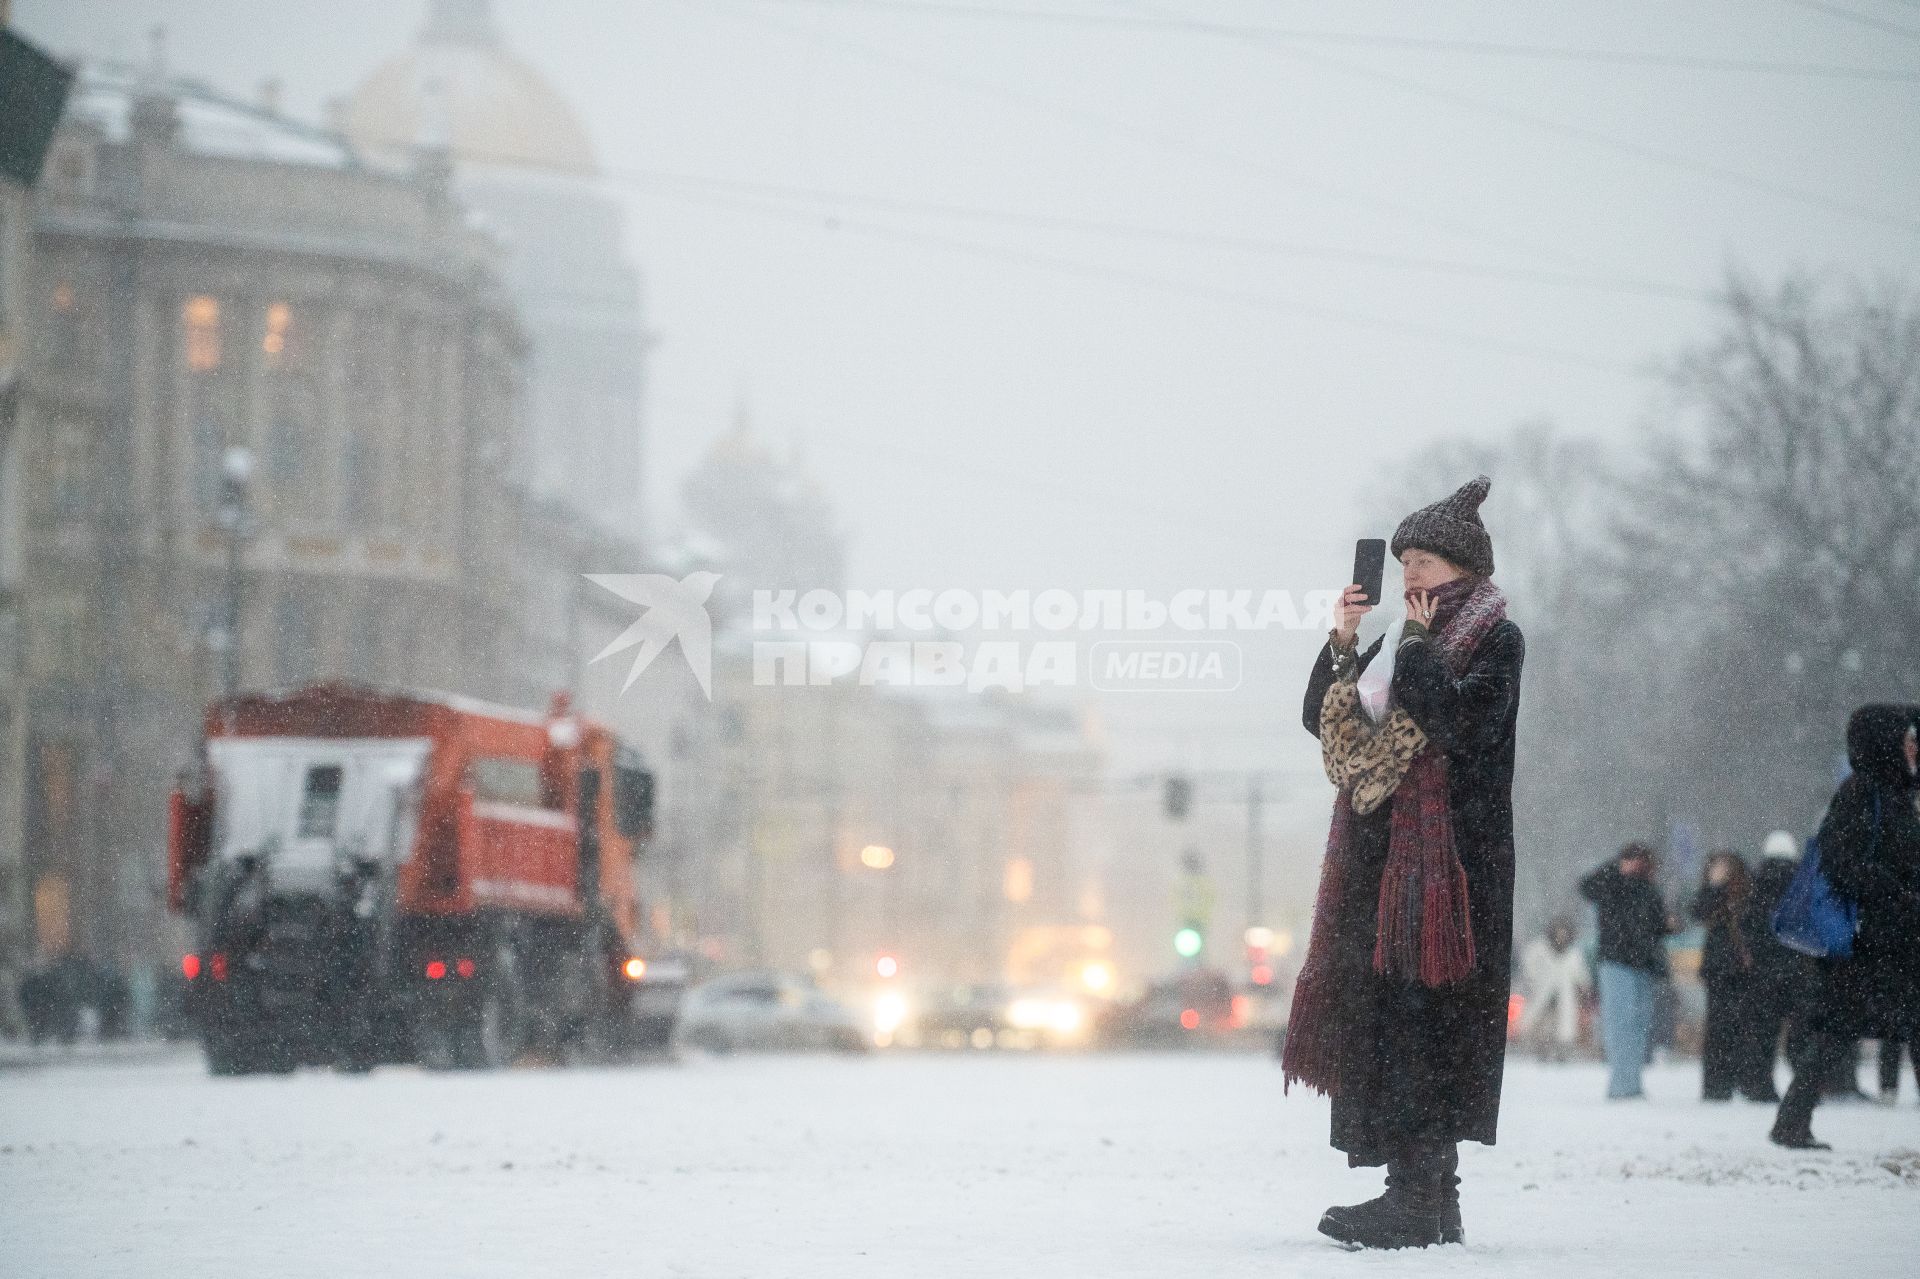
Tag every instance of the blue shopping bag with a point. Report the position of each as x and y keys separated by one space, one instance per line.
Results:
x=1811 y=918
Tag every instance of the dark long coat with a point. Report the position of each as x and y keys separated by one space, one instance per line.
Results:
x=1877 y=990
x=1422 y=1063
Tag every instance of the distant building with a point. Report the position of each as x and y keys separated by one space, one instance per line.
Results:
x=35 y=89
x=210 y=276
x=989 y=809
x=525 y=164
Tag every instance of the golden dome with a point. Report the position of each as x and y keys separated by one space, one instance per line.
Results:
x=458 y=87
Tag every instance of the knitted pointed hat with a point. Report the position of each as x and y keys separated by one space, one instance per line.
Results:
x=1452 y=529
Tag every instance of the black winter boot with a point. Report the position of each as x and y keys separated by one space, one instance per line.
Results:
x=1408 y=1215
x=1793 y=1123
x=1452 y=1228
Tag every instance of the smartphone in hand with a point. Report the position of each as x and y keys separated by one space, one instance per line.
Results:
x=1370 y=565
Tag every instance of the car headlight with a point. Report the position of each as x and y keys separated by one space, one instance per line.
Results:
x=1061 y=1016
x=889 y=1011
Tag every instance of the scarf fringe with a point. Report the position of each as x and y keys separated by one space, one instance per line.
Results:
x=1423 y=927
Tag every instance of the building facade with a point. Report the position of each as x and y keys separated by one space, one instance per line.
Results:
x=526 y=166
x=36 y=89
x=276 y=401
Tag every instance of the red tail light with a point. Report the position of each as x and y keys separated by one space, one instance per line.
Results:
x=190 y=966
x=435 y=970
x=219 y=966
x=1190 y=1019
x=464 y=967
x=1238 y=1016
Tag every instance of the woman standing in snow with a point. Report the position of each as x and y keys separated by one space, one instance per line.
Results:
x=1727 y=971
x=1870 y=855
x=1400 y=1011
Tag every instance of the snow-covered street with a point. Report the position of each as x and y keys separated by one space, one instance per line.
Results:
x=930 y=1166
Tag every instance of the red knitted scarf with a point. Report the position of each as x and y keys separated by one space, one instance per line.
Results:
x=1422 y=930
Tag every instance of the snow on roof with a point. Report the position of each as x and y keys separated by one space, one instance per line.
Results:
x=211 y=122
x=429 y=697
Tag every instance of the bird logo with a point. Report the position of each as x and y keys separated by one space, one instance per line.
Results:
x=675 y=610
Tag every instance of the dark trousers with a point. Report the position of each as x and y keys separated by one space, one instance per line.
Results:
x=1890 y=1047
x=1821 y=1057
x=1825 y=1059
x=1741 y=1037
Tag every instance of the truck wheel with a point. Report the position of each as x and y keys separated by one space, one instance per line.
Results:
x=493 y=1033
x=434 y=1044
x=225 y=1056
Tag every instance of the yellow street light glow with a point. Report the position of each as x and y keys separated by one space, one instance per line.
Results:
x=876 y=856
x=1097 y=977
x=1260 y=938
x=635 y=969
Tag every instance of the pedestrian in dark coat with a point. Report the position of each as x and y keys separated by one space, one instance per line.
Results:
x=1784 y=980
x=1400 y=1010
x=1724 y=904
x=1634 y=925
x=1870 y=855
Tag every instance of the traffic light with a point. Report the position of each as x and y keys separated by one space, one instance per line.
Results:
x=1179 y=798
x=1188 y=942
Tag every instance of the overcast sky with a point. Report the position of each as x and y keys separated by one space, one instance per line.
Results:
x=1039 y=400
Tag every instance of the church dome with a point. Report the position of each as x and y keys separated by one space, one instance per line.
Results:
x=459 y=87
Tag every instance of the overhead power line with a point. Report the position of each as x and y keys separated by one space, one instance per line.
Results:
x=1363 y=39
x=1170 y=235
x=1628 y=146
x=1142 y=279
x=1265 y=38
x=1170 y=143
x=1854 y=15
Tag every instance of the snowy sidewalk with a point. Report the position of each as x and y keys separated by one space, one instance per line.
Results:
x=923 y=1166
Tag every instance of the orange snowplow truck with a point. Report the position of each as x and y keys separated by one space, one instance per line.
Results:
x=387 y=876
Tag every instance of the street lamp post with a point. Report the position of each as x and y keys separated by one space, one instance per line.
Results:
x=236 y=473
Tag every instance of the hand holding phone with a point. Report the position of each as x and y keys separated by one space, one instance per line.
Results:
x=1348 y=610
x=1370 y=566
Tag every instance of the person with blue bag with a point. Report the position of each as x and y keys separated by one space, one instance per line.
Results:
x=1855 y=905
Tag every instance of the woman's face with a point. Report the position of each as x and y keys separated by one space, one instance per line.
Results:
x=1423 y=570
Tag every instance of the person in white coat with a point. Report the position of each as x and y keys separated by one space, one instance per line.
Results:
x=1557 y=979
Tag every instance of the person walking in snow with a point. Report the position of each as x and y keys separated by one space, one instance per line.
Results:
x=1784 y=980
x=1557 y=980
x=1870 y=855
x=1399 y=1013
x=1634 y=925
x=1727 y=971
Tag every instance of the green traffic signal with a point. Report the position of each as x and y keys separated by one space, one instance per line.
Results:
x=1187 y=942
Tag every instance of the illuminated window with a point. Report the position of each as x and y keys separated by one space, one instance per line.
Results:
x=201 y=315
x=65 y=340
x=1018 y=883
x=279 y=319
